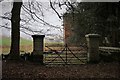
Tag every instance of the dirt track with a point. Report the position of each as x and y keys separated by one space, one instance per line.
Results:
x=25 y=70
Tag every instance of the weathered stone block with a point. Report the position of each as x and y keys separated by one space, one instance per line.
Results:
x=38 y=44
x=93 y=47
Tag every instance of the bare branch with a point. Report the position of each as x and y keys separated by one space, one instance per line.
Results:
x=31 y=30
x=25 y=32
x=39 y=18
x=5 y=27
x=54 y=9
x=4 y=17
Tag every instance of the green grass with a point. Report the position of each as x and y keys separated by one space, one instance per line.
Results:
x=54 y=44
x=25 y=44
x=5 y=41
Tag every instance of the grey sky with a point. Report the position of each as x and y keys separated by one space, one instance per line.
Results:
x=49 y=16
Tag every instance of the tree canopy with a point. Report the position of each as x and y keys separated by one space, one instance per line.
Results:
x=95 y=17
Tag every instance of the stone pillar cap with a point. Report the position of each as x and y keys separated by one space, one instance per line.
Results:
x=93 y=35
x=38 y=36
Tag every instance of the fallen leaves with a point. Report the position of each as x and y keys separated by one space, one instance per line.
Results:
x=30 y=70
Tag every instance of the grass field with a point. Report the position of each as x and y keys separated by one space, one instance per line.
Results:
x=54 y=44
x=25 y=45
x=5 y=41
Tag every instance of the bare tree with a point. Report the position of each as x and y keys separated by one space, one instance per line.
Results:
x=31 y=11
x=15 y=32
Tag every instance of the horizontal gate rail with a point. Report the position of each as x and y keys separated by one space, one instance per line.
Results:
x=66 y=56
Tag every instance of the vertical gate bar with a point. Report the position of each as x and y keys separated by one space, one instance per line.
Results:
x=66 y=53
x=44 y=58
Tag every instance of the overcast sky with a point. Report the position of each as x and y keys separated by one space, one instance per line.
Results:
x=49 y=16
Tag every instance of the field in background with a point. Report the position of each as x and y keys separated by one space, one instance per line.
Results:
x=54 y=44
x=25 y=45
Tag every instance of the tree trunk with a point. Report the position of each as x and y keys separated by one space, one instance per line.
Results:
x=15 y=32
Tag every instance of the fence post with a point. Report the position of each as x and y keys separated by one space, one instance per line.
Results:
x=93 y=47
x=38 y=44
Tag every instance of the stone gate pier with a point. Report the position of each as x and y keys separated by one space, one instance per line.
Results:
x=93 y=47
x=38 y=45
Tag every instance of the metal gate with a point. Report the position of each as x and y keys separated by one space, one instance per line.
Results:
x=68 y=55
